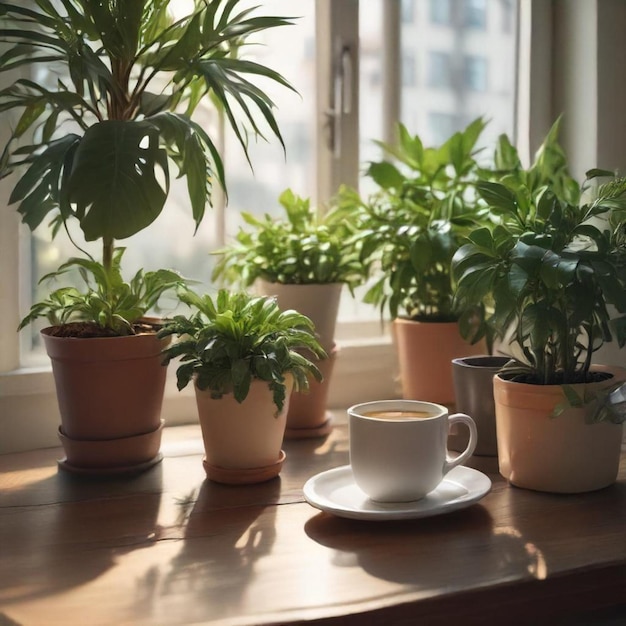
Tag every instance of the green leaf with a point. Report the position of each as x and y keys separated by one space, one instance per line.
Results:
x=114 y=182
x=497 y=196
x=386 y=175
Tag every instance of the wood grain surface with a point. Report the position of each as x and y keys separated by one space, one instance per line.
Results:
x=168 y=547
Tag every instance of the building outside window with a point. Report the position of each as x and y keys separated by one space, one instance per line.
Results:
x=407 y=11
x=409 y=70
x=475 y=13
x=440 y=69
x=440 y=12
x=475 y=69
x=441 y=125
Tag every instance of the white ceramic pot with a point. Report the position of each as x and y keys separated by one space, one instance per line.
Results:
x=319 y=302
x=242 y=441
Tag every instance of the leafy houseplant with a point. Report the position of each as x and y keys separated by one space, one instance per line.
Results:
x=304 y=259
x=101 y=141
x=244 y=356
x=553 y=265
x=408 y=232
x=106 y=132
x=302 y=248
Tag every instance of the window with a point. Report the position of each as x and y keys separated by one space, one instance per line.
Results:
x=439 y=69
x=466 y=77
x=442 y=125
x=507 y=9
x=475 y=13
x=27 y=396
x=408 y=70
x=475 y=73
x=440 y=12
x=407 y=11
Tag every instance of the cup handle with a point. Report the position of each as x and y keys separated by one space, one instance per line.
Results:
x=471 y=446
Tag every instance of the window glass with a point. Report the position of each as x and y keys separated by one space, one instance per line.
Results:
x=475 y=13
x=475 y=73
x=440 y=69
x=469 y=74
x=440 y=11
x=407 y=11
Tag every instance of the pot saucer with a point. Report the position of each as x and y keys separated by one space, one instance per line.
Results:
x=310 y=433
x=335 y=491
x=246 y=476
x=120 y=470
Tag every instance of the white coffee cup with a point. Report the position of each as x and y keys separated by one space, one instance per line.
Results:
x=399 y=448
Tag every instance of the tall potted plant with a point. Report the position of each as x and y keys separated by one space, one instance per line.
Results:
x=131 y=77
x=553 y=265
x=407 y=233
x=244 y=356
x=304 y=259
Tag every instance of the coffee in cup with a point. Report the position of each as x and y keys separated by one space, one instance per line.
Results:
x=398 y=448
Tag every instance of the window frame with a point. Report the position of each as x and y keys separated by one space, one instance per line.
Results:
x=28 y=408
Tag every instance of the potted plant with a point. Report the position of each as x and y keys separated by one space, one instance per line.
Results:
x=244 y=356
x=130 y=80
x=553 y=265
x=407 y=233
x=304 y=259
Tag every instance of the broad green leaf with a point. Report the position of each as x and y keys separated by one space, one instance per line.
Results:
x=114 y=182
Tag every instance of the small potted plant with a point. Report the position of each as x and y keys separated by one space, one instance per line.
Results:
x=102 y=138
x=304 y=259
x=553 y=265
x=244 y=356
x=407 y=233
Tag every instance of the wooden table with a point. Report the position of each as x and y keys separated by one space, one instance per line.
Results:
x=168 y=547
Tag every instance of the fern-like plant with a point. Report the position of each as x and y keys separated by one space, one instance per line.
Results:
x=235 y=338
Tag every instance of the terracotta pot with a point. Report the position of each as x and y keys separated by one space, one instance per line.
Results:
x=319 y=302
x=242 y=441
x=473 y=393
x=425 y=350
x=108 y=388
x=561 y=454
x=110 y=392
x=308 y=416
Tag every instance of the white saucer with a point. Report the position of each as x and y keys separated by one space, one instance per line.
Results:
x=335 y=491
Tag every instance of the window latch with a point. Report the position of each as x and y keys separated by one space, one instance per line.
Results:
x=341 y=97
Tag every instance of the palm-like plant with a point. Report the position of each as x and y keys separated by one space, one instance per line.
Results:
x=131 y=77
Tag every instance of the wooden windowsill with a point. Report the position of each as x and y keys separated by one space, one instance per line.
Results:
x=168 y=547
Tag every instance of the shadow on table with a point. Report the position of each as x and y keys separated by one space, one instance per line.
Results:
x=226 y=530
x=442 y=552
x=72 y=538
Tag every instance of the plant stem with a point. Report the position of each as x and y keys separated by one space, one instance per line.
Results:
x=108 y=245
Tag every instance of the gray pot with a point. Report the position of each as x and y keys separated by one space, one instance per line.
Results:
x=473 y=389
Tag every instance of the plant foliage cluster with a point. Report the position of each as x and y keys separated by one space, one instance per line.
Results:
x=235 y=338
x=96 y=146
x=553 y=263
x=409 y=229
x=303 y=247
x=112 y=304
